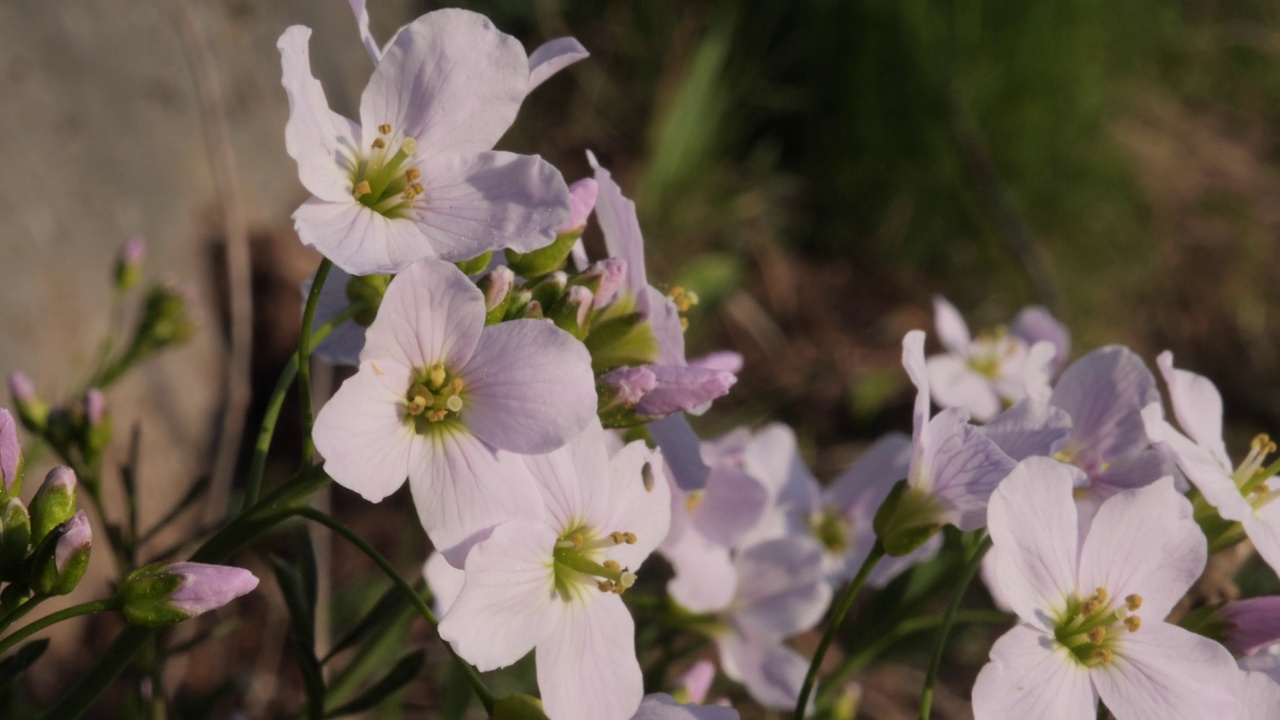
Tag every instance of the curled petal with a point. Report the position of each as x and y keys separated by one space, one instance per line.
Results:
x=553 y=56
x=321 y=141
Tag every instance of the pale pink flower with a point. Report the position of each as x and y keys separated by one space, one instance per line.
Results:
x=1092 y=609
x=661 y=706
x=416 y=176
x=444 y=400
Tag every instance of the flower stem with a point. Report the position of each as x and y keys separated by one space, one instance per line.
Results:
x=811 y=677
x=948 y=619
x=16 y=614
x=473 y=677
x=304 y=359
x=111 y=603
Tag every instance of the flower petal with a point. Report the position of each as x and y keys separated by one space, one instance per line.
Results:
x=553 y=56
x=450 y=80
x=682 y=451
x=963 y=467
x=1030 y=427
x=1197 y=405
x=462 y=488
x=321 y=141
x=1211 y=478
x=1165 y=672
x=343 y=345
x=1030 y=676
x=587 y=667
x=430 y=313
x=954 y=384
x=705 y=580
x=638 y=501
x=357 y=239
x=772 y=672
x=1036 y=324
x=508 y=599
x=1103 y=392
x=361 y=432
x=659 y=706
x=362 y=24
x=445 y=582
x=784 y=592
x=488 y=201
x=621 y=228
x=913 y=362
x=529 y=387
x=953 y=332
x=1144 y=542
x=731 y=503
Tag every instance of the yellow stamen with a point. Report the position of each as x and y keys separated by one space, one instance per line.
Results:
x=605 y=585
x=437 y=375
x=611 y=565
x=379 y=143
x=1102 y=655
x=412 y=175
x=629 y=538
x=1102 y=595
x=1097 y=635
x=1133 y=622
x=437 y=415
x=1133 y=602
x=361 y=188
x=385 y=128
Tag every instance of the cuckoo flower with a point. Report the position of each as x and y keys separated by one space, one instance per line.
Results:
x=444 y=400
x=1092 y=609
x=1244 y=494
x=416 y=176
x=980 y=374
x=660 y=706
x=554 y=584
x=10 y=452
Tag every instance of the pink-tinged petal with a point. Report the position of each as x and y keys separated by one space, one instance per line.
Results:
x=620 y=226
x=362 y=24
x=681 y=448
x=490 y=200
x=430 y=313
x=1261 y=696
x=357 y=239
x=682 y=387
x=1162 y=672
x=639 y=502
x=450 y=80
x=1254 y=624
x=913 y=362
x=553 y=56
x=731 y=503
x=10 y=451
x=1263 y=528
x=772 y=672
x=1031 y=676
x=1212 y=479
x=1032 y=522
x=462 y=489
x=964 y=467
x=664 y=707
x=705 y=580
x=784 y=592
x=726 y=360
x=361 y=432
x=773 y=458
x=568 y=485
x=587 y=667
x=1144 y=541
x=445 y=582
x=696 y=681
x=508 y=600
x=321 y=141
x=1197 y=405
x=1030 y=427
x=865 y=484
x=344 y=343
x=664 y=321
x=1103 y=392
x=1035 y=325
x=953 y=332
x=954 y=384
x=1037 y=371
x=582 y=200
x=529 y=387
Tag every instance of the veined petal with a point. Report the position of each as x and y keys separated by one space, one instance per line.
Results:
x=953 y=331
x=587 y=667
x=664 y=320
x=450 y=80
x=772 y=672
x=1162 y=672
x=637 y=503
x=731 y=503
x=781 y=591
x=529 y=387
x=1030 y=676
x=553 y=56
x=964 y=467
x=954 y=384
x=321 y=141
x=361 y=432
x=1032 y=522
x=1197 y=405
x=660 y=706
x=913 y=362
x=1263 y=528
x=508 y=600
x=445 y=582
x=1030 y=427
x=1103 y=392
x=683 y=387
x=357 y=239
x=1035 y=324
x=1212 y=479
x=1144 y=541
x=488 y=201
x=362 y=24
x=462 y=489
x=705 y=580
x=682 y=450
x=620 y=226
x=430 y=313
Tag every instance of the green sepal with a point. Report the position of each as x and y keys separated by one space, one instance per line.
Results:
x=543 y=261
x=45 y=578
x=519 y=707
x=617 y=340
x=365 y=292
x=13 y=488
x=51 y=506
x=13 y=596
x=476 y=264
x=906 y=520
x=1222 y=534
x=15 y=534
x=612 y=413
x=1207 y=620
x=145 y=593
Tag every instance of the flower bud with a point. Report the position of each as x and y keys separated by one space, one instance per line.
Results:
x=166 y=320
x=571 y=312
x=32 y=410
x=543 y=261
x=549 y=289
x=10 y=456
x=906 y=520
x=15 y=533
x=519 y=707
x=97 y=424
x=496 y=286
x=366 y=291
x=619 y=391
x=60 y=561
x=603 y=278
x=582 y=200
x=129 y=263
x=164 y=594
x=54 y=503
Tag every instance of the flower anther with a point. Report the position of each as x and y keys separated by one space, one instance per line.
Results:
x=578 y=560
x=381 y=181
x=435 y=397
x=1089 y=628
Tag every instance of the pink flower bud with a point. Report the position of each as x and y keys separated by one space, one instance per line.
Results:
x=10 y=451
x=21 y=387
x=95 y=407
x=582 y=200
x=77 y=536
x=159 y=594
x=129 y=263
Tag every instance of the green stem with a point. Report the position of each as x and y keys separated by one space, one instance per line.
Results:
x=948 y=619
x=846 y=601
x=304 y=359
x=271 y=416
x=477 y=684
x=16 y=614
x=111 y=603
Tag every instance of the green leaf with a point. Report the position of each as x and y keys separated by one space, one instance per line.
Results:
x=302 y=622
x=384 y=611
x=405 y=669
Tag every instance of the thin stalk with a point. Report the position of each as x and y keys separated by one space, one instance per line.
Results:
x=846 y=601
x=304 y=359
x=473 y=677
x=948 y=619
x=272 y=415
x=16 y=614
x=26 y=631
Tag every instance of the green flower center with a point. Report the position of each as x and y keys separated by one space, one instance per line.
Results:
x=578 y=562
x=1251 y=477
x=831 y=529
x=989 y=351
x=434 y=400
x=1089 y=628
x=382 y=181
